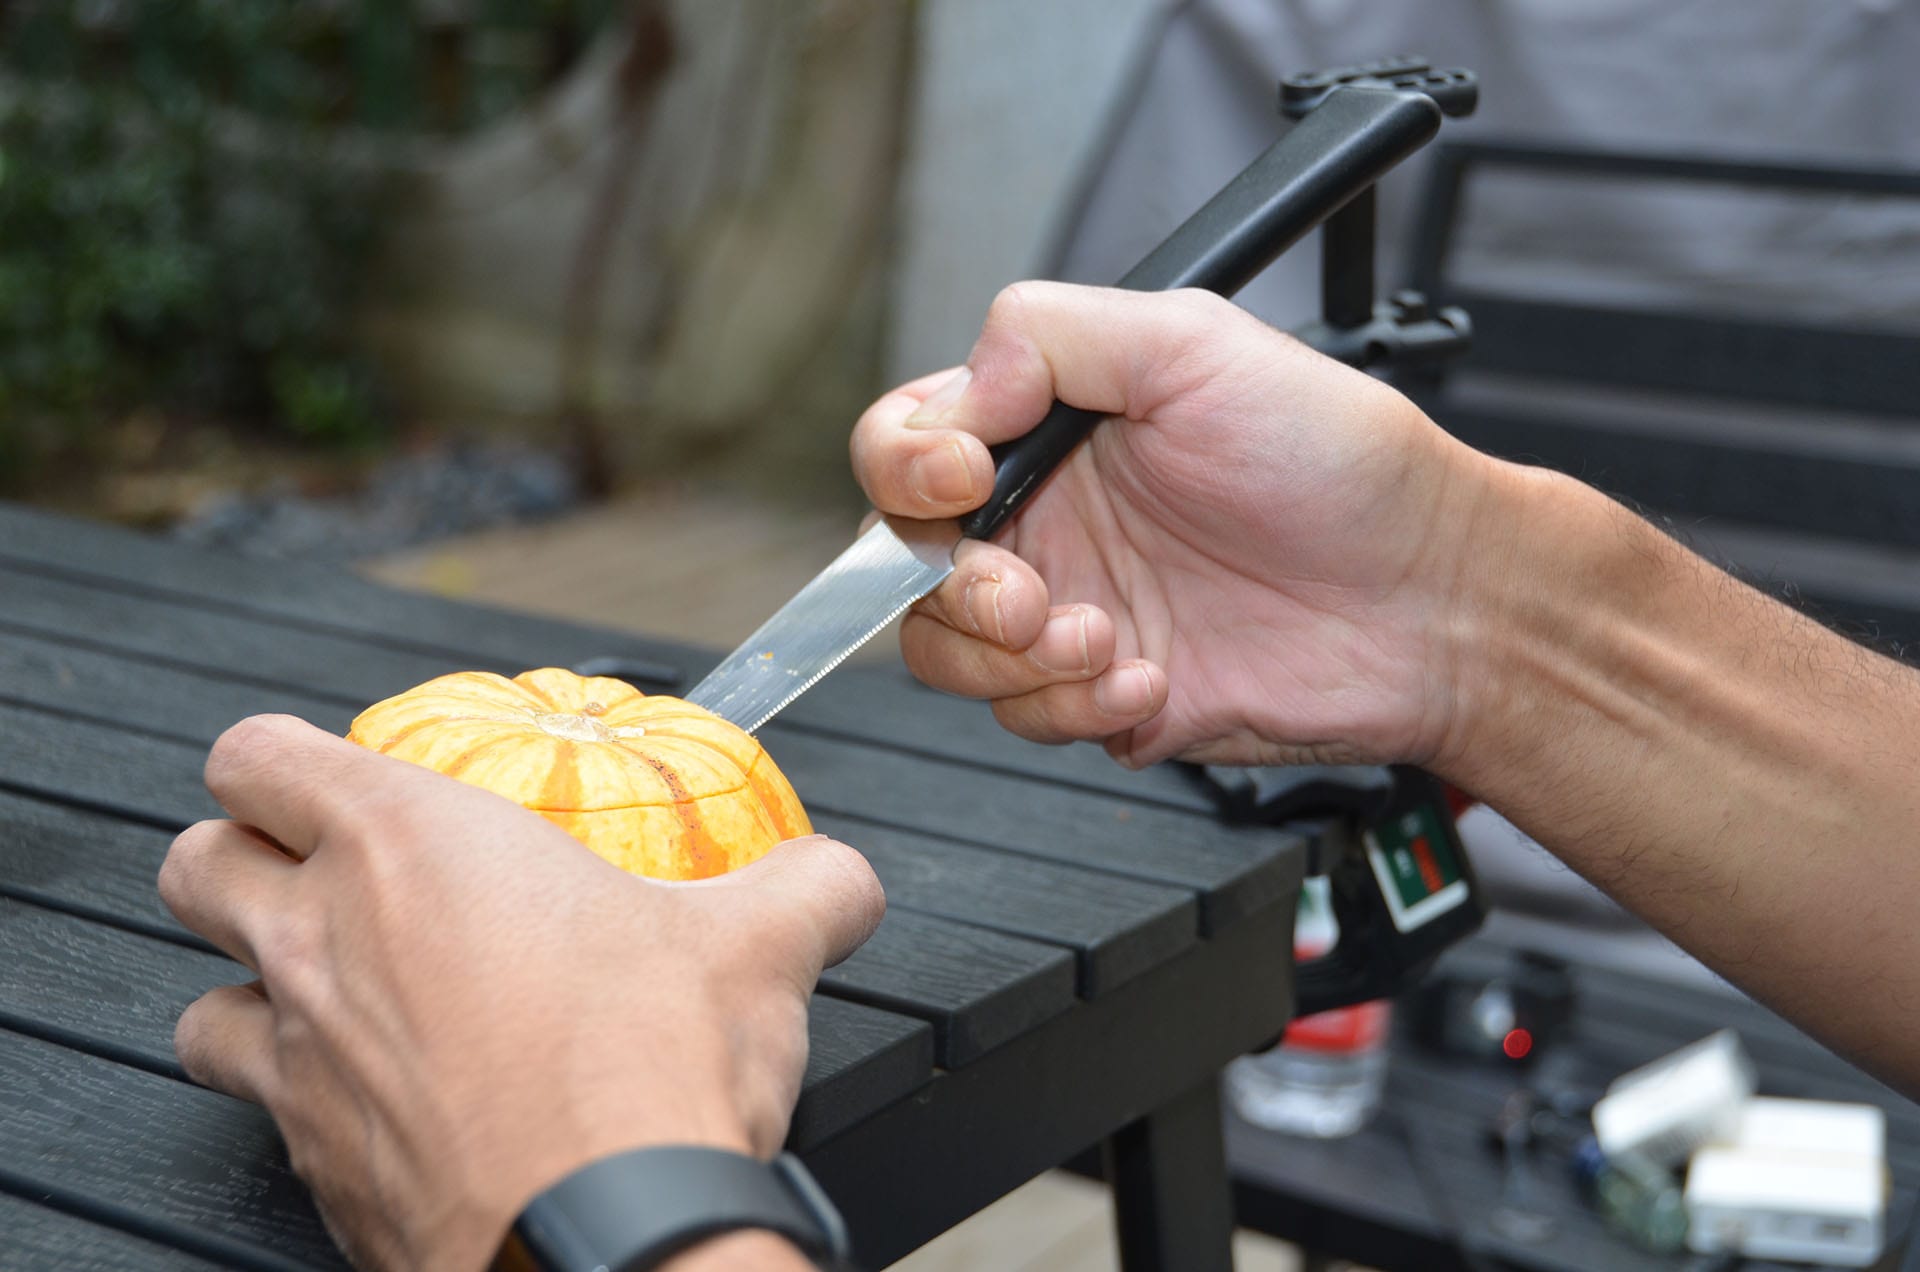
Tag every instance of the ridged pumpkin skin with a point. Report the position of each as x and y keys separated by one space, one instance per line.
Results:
x=657 y=786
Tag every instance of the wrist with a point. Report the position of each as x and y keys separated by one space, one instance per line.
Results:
x=758 y=1251
x=680 y=1207
x=1565 y=618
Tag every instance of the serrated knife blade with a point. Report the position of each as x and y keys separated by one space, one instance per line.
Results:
x=887 y=569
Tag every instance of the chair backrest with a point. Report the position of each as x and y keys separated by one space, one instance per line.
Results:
x=1790 y=449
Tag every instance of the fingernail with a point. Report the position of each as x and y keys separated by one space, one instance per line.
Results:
x=1063 y=643
x=942 y=476
x=938 y=401
x=982 y=603
x=1124 y=691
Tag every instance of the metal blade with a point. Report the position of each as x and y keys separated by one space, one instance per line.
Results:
x=869 y=585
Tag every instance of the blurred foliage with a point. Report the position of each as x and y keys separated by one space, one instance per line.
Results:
x=184 y=223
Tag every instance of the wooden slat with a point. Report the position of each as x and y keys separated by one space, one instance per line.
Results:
x=193 y=704
x=859 y=1060
x=112 y=993
x=155 y=1156
x=1117 y=928
x=39 y=1239
x=117 y=994
x=188 y=634
x=856 y=701
x=976 y=987
x=318 y=598
x=1232 y=869
x=86 y=863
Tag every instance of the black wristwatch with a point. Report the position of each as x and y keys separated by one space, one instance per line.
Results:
x=633 y=1211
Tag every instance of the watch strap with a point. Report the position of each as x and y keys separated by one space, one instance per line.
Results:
x=633 y=1211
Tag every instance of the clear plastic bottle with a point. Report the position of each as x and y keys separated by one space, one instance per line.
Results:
x=1326 y=1076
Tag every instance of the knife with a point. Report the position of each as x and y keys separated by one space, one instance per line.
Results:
x=1340 y=149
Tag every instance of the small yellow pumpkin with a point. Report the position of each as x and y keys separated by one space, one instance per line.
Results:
x=654 y=784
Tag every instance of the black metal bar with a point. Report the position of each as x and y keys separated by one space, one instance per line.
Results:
x=1349 y=141
x=1808 y=176
x=1172 y=1201
x=1816 y=365
x=1346 y=263
x=1439 y=210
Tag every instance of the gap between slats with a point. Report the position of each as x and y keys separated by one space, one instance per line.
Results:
x=660 y=673
x=122 y=813
x=649 y=675
x=234 y=1254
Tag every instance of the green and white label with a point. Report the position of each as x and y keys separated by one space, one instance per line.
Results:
x=1413 y=858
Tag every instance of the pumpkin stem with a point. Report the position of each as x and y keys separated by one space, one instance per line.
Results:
x=574 y=727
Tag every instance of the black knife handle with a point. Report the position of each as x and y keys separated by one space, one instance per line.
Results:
x=1345 y=145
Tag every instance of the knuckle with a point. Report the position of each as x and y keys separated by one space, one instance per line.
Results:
x=238 y=746
x=852 y=874
x=190 y=1039
x=1010 y=303
x=184 y=866
x=292 y=954
x=1022 y=718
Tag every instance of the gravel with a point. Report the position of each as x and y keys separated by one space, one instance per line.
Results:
x=417 y=498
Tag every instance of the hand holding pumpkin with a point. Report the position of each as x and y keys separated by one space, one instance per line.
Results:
x=457 y=1005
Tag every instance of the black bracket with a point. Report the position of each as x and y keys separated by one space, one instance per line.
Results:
x=1401 y=331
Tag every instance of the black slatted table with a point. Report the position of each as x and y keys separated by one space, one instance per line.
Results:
x=1419 y=1186
x=1070 y=954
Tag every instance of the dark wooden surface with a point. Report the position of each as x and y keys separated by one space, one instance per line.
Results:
x=1068 y=946
x=1418 y=1186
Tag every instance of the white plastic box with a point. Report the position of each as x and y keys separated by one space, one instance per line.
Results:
x=1800 y=1180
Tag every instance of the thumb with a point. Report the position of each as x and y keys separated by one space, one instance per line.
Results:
x=817 y=888
x=1097 y=348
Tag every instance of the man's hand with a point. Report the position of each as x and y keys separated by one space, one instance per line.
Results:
x=1270 y=557
x=457 y=1004
x=1254 y=562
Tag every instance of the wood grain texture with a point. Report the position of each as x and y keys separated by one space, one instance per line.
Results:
x=1116 y=927
x=193 y=704
x=1233 y=869
x=314 y=598
x=1046 y=907
x=155 y=781
x=187 y=1167
x=41 y=1239
x=112 y=993
x=190 y=634
x=86 y=863
x=859 y=1060
x=331 y=601
x=977 y=988
x=117 y=993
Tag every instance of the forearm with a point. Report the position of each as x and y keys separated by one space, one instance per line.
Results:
x=758 y=1251
x=1744 y=779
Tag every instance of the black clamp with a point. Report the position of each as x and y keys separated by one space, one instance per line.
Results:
x=1401 y=886
x=1402 y=331
x=1456 y=92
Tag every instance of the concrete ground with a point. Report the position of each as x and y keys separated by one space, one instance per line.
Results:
x=708 y=568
